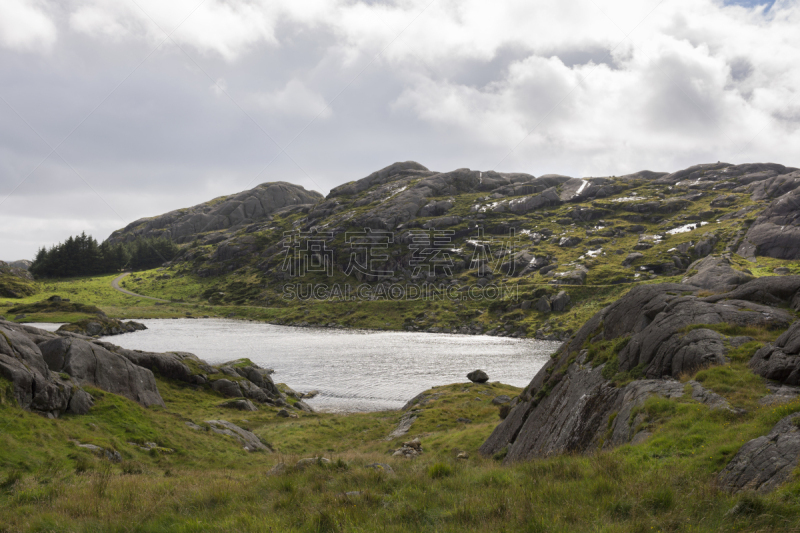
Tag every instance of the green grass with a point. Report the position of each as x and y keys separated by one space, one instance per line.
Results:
x=209 y=484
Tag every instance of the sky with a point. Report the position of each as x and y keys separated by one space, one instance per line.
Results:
x=113 y=110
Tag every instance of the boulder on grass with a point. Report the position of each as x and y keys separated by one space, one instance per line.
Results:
x=478 y=376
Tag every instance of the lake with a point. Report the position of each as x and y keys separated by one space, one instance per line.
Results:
x=354 y=370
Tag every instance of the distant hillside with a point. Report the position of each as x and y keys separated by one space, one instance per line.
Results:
x=224 y=214
x=24 y=264
x=15 y=282
x=545 y=234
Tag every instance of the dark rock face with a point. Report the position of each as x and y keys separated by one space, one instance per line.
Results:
x=764 y=463
x=241 y=405
x=170 y=365
x=35 y=387
x=227 y=388
x=560 y=302
x=91 y=364
x=47 y=368
x=716 y=273
x=478 y=376
x=776 y=232
x=656 y=318
x=780 y=361
x=569 y=404
x=573 y=277
x=234 y=211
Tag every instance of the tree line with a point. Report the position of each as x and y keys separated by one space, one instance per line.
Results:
x=83 y=256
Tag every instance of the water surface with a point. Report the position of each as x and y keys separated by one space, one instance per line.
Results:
x=353 y=370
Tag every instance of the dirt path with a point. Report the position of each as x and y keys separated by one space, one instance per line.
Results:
x=116 y=287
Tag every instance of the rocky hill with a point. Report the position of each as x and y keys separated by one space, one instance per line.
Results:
x=222 y=215
x=23 y=264
x=15 y=282
x=502 y=227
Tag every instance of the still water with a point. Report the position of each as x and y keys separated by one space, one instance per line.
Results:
x=353 y=370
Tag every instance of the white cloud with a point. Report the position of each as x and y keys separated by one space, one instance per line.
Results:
x=25 y=26
x=295 y=99
x=455 y=83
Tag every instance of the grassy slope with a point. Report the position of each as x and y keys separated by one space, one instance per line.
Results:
x=209 y=484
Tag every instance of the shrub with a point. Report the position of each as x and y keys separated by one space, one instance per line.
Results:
x=440 y=470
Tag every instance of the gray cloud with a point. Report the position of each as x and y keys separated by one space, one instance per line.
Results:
x=458 y=84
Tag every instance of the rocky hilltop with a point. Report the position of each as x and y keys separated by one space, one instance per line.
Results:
x=15 y=281
x=224 y=215
x=545 y=234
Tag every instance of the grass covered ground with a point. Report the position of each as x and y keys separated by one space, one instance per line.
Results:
x=200 y=481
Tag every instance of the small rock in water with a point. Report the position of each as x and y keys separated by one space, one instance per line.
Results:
x=478 y=376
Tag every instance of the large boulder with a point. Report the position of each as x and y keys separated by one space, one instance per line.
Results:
x=478 y=376
x=181 y=366
x=780 y=361
x=34 y=386
x=560 y=302
x=91 y=364
x=776 y=232
x=765 y=462
x=716 y=273
x=226 y=387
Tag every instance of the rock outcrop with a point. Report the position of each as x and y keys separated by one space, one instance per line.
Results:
x=651 y=336
x=776 y=232
x=102 y=327
x=765 y=462
x=91 y=364
x=34 y=386
x=248 y=439
x=15 y=282
x=780 y=361
x=716 y=273
x=47 y=371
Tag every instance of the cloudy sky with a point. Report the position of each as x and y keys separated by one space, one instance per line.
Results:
x=112 y=110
